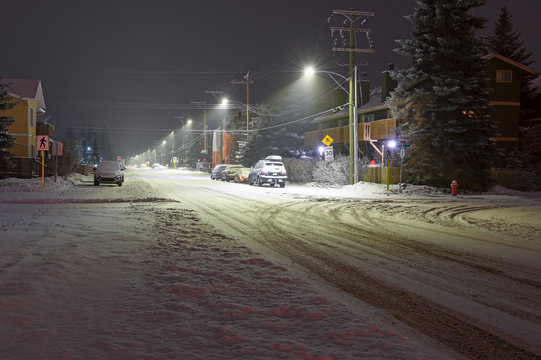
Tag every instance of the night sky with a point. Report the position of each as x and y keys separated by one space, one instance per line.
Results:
x=135 y=66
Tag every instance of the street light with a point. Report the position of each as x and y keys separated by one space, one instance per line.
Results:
x=353 y=136
x=163 y=151
x=185 y=141
x=225 y=101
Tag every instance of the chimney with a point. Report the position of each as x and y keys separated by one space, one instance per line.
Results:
x=388 y=84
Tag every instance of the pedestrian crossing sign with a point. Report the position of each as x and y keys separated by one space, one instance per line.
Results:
x=42 y=142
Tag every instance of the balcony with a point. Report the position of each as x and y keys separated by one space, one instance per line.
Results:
x=376 y=130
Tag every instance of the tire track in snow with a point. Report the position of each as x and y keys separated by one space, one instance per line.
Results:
x=430 y=318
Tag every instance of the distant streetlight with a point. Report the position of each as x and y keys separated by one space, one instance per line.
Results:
x=185 y=145
x=225 y=101
x=353 y=137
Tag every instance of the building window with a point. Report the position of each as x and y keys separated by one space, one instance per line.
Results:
x=31 y=116
x=504 y=76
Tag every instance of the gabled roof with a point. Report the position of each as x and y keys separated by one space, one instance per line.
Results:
x=509 y=61
x=25 y=89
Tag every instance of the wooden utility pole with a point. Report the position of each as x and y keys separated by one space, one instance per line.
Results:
x=246 y=81
x=199 y=103
x=352 y=49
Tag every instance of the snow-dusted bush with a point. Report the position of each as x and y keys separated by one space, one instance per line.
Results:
x=334 y=172
x=299 y=170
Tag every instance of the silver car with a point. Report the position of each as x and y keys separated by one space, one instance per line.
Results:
x=109 y=172
x=270 y=171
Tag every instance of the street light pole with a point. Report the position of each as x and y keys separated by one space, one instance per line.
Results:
x=352 y=139
x=353 y=133
x=205 y=149
x=173 y=150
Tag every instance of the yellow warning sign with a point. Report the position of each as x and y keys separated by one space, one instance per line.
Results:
x=327 y=140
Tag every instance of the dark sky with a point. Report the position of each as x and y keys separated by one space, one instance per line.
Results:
x=135 y=65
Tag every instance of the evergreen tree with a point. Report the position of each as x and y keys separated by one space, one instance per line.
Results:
x=441 y=98
x=506 y=41
x=6 y=140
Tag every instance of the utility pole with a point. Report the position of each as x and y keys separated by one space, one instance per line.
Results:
x=199 y=103
x=352 y=49
x=213 y=93
x=246 y=81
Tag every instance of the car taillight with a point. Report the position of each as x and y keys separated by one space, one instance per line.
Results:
x=264 y=172
x=284 y=173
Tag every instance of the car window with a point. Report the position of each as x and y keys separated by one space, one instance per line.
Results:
x=108 y=166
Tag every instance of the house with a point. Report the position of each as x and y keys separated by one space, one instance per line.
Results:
x=30 y=105
x=376 y=124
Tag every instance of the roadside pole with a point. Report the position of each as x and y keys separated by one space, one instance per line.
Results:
x=56 y=165
x=42 y=168
x=388 y=173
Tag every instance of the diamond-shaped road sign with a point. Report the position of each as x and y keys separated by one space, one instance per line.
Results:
x=327 y=140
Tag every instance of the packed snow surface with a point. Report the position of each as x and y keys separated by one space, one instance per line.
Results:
x=172 y=266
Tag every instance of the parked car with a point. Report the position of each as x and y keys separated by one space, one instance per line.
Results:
x=216 y=172
x=109 y=172
x=229 y=172
x=242 y=175
x=270 y=170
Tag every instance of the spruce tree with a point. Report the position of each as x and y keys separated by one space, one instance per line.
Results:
x=506 y=41
x=6 y=140
x=442 y=97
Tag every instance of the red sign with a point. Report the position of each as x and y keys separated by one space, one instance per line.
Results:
x=42 y=142
x=118 y=158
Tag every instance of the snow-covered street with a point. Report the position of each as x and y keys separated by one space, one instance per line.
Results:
x=173 y=265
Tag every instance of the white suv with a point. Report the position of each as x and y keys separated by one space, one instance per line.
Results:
x=269 y=170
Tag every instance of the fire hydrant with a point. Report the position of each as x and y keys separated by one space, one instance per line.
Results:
x=454 y=187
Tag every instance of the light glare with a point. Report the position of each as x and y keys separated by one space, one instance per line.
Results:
x=309 y=71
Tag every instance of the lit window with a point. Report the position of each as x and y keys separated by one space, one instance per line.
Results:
x=504 y=76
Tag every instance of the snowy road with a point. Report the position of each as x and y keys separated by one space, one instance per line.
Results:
x=175 y=266
x=465 y=271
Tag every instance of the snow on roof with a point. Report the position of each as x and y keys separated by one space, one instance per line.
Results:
x=26 y=89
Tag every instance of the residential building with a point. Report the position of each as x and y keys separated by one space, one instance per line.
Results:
x=376 y=124
x=28 y=94
x=29 y=97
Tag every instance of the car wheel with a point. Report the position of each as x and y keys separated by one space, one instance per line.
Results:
x=96 y=182
x=271 y=185
x=119 y=183
x=259 y=182
x=282 y=184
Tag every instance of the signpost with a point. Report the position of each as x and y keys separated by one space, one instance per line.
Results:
x=403 y=145
x=388 y=157
x=58 y=146
x=43 y=145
